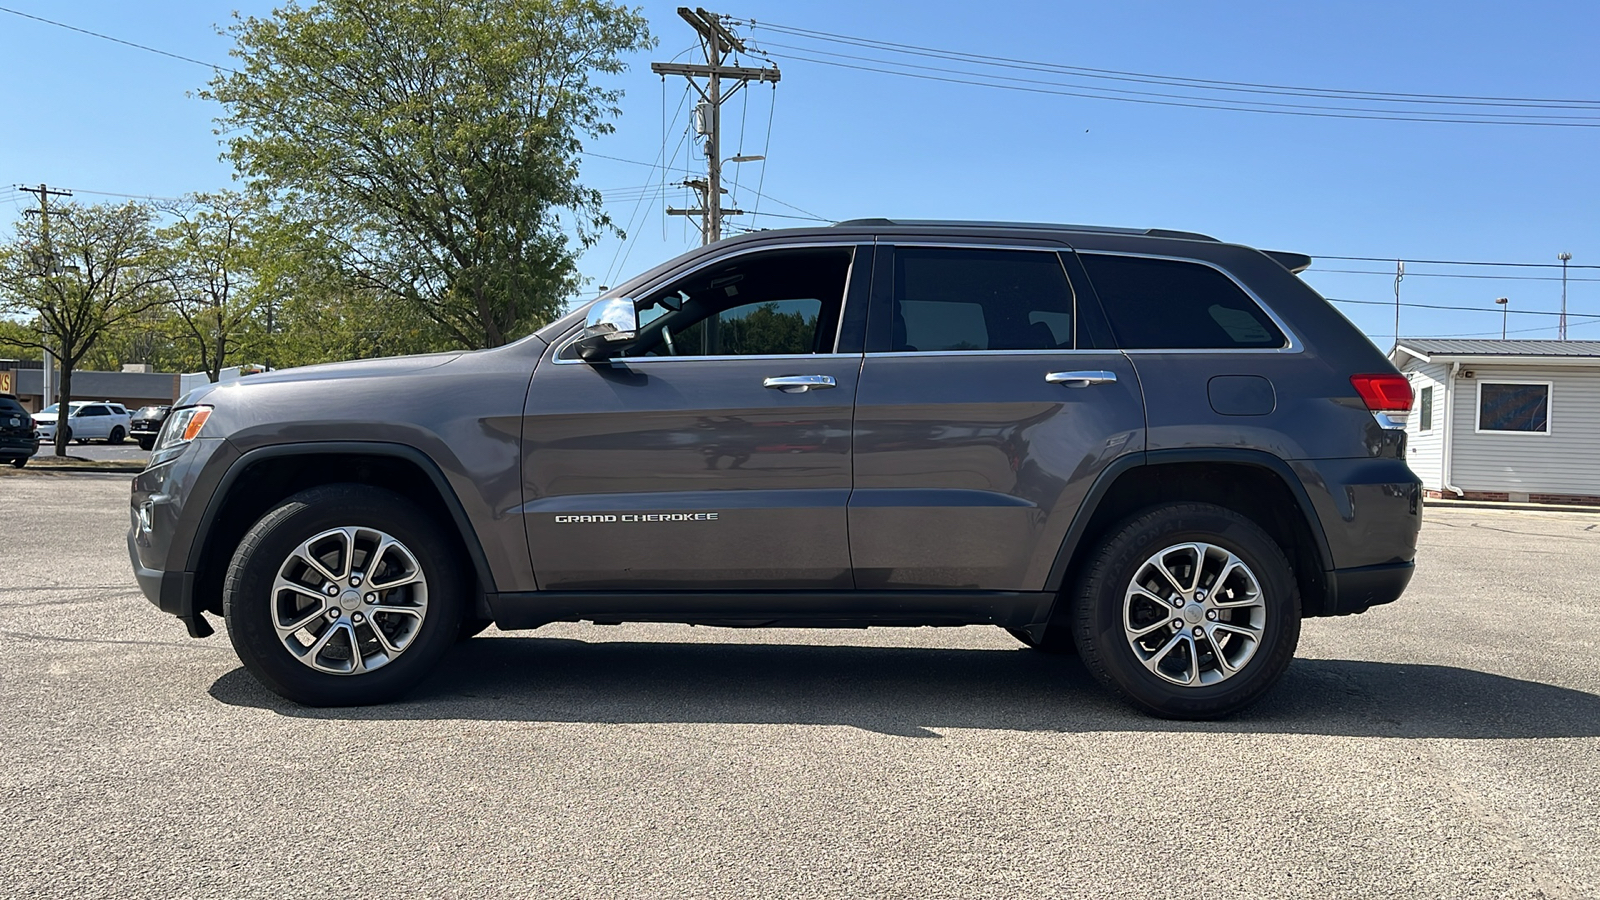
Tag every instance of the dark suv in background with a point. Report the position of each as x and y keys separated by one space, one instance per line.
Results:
x=1150 y=447
x=19 y=440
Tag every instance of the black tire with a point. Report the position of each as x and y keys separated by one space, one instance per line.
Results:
x=1099 y=597
x=247 y=594
x=146 y=443
x=117 y=436
x=1057 y=640
x=68 y=431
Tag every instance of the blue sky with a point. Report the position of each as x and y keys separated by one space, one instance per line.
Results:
x=91 y=115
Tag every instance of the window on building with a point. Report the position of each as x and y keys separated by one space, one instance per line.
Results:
x=1517 y=407
x=1425 y=404
x=1166 y=304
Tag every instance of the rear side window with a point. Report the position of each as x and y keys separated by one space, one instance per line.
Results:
x=951 y=299
x=1166 y=304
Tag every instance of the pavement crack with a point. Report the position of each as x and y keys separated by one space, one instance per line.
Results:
x=31 y=636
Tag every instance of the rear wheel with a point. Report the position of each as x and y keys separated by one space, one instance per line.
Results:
x=118 y=434
x=343 y=595
x=1189 y=611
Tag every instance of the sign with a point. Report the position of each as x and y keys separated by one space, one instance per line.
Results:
x=7 y=383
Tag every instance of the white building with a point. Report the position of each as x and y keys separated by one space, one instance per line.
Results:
x=1504 y=420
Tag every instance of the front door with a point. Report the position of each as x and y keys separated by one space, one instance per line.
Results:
x=984 y=415
x=714 y=455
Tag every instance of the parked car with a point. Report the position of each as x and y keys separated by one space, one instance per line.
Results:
x=18 y=439
x=1151 y=448
x=146 y=424
x=99 y=420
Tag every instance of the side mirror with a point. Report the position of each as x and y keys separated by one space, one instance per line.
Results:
x=608 y=327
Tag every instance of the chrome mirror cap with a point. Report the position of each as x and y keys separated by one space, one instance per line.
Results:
x=611 y=320
x=610 y=324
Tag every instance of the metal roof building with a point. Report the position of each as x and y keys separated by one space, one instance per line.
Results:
x=1504 y=420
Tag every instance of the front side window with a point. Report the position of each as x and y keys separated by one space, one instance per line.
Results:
x=773 y=303
x=1168 y=304
x=1425 y=405
x=1514 y=407
x=953 y=299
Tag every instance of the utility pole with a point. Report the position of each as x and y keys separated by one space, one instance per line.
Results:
x=717 y=42
x=1564 y=257
x=48 y=266
x=1399 y=276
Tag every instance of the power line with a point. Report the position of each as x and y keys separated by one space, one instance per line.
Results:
x=1450 y=262
x=1448 y=275
x=117 y=40
x=1443 y=114
x=1514 y=312
x=1375 y=115
x=1181 y=81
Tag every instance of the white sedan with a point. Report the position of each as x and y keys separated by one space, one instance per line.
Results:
x=89 y=420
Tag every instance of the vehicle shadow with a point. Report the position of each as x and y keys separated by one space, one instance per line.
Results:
x=917 y=691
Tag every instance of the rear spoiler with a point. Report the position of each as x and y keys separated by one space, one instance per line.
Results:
x=1294 y=262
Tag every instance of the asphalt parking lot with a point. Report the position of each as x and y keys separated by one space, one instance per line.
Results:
x=1445 y=746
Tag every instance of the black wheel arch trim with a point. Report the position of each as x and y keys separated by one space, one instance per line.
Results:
x=1237 y=456
x=458 y=513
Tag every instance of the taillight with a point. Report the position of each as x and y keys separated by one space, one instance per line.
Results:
x=1383 y=393
x=1387 y=396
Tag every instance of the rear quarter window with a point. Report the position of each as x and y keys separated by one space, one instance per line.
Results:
x=1168 y=304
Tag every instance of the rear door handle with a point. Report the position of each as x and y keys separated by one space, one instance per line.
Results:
x=1082 y=379
x=799 y=384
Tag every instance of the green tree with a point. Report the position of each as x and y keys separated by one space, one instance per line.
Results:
x=76 y=276
x=436 y=142
x=210 y=255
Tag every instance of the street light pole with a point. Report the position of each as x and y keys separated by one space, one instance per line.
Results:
x=1505 y=306
x=1564 y=257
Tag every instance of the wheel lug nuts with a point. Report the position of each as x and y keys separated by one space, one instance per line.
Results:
x=333 y=615
x=1178 y=602
x=1199 y=632
x=372 y=598
x=1177 y=626
x=355 y=579
x=331 y=590
x=1199 y=595
x=1211 y=614
x=358 y=618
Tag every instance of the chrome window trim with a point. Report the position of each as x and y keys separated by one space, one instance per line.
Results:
x=568 y=340
x=628 y=361
x=1056 y=250
x=1294 y=345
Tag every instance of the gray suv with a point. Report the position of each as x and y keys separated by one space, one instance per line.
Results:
x=1149 y=448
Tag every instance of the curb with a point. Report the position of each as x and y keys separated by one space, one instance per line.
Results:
x=1507 y=505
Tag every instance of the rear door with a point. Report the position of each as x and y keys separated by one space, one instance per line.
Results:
x=986 y=410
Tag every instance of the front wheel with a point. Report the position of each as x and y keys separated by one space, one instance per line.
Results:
x=1189 y=611
x=343 y=595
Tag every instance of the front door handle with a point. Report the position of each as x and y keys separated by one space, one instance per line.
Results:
x=799 y=384
x=1082 y=379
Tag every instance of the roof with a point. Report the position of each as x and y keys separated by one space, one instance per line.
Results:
x=1430 y=347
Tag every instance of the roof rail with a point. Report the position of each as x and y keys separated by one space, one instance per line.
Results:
x=1034 y=226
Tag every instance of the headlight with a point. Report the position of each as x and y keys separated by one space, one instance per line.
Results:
x=177 y=431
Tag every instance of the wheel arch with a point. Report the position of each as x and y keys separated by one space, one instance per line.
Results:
x=1253 y=483
x=266 y=475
